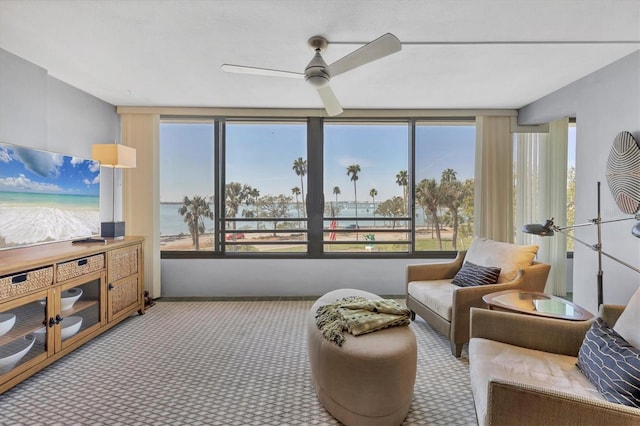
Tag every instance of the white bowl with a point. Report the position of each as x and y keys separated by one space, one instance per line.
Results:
x=70 y=326
x=7 y=322
x=41 y=335
x=69 y=297
x=13 y=352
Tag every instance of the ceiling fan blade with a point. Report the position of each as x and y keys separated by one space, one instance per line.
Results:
x=331 y=103
x=378 y=48
x=241 y=69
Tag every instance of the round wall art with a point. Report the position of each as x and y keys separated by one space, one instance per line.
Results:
x=623 y=172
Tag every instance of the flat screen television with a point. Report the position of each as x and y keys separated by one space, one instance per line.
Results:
x=46 y=197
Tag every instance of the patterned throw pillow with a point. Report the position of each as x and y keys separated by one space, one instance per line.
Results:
x=471 y=275
x=611 y=364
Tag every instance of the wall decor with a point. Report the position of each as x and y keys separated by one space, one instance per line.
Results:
x=46 y=196
x=623 y=172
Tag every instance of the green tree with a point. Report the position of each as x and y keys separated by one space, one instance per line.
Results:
x=402 y=179
x=571 y=202
x=391 y=208
x=353 y=171
x=300 y=167
x=235 y=194
x=428 y=196
x=195 y=210
x=372 y=193
x=274 y=207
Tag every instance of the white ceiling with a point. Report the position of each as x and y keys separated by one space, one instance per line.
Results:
x=169 y=52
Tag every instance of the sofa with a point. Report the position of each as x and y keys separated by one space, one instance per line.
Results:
x=523 y=369
x=432 y=292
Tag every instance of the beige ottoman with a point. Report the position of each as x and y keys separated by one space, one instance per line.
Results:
x=369 y=379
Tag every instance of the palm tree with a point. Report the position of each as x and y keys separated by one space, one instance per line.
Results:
x=403 y=180
x=336 y=192
x=372 y=193
x=235 y=194
x=428 y=196
x=453 y=194
x=296 y=191
x=194 y=211
x=353 y=171
x=300 y=167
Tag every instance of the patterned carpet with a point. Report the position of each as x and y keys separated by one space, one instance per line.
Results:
x=216 y=363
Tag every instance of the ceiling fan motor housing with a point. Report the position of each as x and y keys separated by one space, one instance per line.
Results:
x=316 y=72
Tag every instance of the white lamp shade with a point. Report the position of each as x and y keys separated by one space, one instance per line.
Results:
x=114 y=155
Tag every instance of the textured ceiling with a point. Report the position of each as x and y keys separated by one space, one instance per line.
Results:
x=169 y=52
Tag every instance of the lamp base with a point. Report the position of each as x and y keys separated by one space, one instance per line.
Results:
x=112 y=229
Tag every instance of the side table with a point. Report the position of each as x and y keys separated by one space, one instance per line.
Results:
x=534 y=303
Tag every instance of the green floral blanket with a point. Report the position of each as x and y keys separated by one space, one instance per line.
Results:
x=359 y=315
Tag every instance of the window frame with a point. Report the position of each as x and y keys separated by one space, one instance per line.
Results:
x=315 y=188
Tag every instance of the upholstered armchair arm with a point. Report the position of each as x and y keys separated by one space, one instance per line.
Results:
x=464 y=298
x=610 y=313
x=435 y=271
x=507 y=401
x=528 y=331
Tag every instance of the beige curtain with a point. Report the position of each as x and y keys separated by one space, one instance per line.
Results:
x=493 y=209
x=541 y=188
x=141 y=192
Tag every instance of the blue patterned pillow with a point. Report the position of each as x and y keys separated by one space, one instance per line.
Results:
x=611 y=364
x=471 y=275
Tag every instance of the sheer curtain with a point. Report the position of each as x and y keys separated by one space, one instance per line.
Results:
x=493 y=201
x=541 y=188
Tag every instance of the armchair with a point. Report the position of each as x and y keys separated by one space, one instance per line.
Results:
x=446 y=306
x=523 y=371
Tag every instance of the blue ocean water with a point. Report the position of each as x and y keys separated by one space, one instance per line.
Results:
x=63 y=201
x=172 y=223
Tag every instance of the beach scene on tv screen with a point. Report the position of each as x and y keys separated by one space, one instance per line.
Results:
x=46 y=197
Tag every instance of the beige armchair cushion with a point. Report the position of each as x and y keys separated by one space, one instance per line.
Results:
x=436 y=294
x=510 y=258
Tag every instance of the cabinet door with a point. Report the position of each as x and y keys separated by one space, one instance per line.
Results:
x=78 y=309
x=24 y=333
x=123 y=290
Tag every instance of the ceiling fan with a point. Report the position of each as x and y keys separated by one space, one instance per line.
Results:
x=318 y=73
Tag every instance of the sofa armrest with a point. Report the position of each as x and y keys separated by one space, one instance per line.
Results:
x=528 y=331
x=435 y=271
x=512 y=403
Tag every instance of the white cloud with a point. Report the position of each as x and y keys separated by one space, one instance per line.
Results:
x=4 y=155
x=94 y=166
x=24 y=183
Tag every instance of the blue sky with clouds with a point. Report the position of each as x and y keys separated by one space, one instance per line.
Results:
x=36 y=171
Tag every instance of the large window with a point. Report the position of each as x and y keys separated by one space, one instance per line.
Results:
x=264 y=193
x=240 y=187
x=444 y=174
x=366 y=186
x=187 y=185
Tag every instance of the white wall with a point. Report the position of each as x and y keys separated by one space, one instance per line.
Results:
x=39 y=111
x=604 y=104
x=281 y=277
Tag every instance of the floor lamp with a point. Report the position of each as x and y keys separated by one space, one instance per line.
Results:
x=114 y=156
x=549 y=228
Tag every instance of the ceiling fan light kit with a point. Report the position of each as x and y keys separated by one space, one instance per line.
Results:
x=318 y=74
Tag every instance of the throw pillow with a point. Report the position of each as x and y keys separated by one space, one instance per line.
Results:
x=628 y=324
x=611 y=364
x=510 y=258
x=471 y=275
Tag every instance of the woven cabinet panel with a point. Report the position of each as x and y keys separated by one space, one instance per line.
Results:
x=13 y=285
x=123 y=264
x=78 y=267
x=124 y=294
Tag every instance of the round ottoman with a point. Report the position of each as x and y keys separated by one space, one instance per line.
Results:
x=369 y=379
